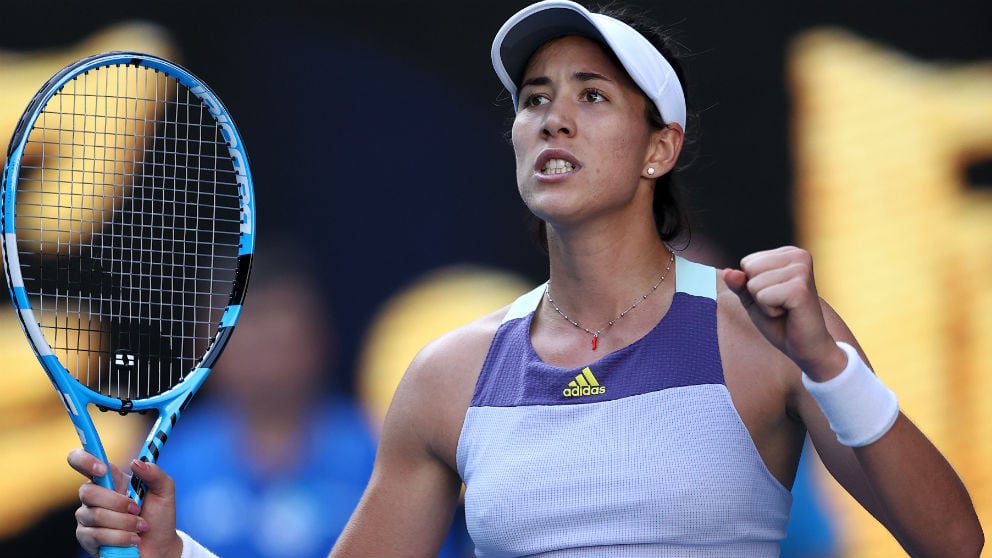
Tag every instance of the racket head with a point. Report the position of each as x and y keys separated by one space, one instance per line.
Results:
x=127 y=212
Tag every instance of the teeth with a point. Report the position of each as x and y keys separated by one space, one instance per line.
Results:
x=557 y=166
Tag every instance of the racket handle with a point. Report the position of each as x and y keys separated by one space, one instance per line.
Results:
x=107 y=481
x=92 y=445
x=119 y=552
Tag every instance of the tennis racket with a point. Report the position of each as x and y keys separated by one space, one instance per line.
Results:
x=128 y=233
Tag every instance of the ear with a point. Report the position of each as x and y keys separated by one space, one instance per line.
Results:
x=663 y=151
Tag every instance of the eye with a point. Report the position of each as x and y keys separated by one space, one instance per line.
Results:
x=593 y=96
x=534 y=100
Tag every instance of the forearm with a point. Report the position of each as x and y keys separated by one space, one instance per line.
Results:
x=889 y=465
x=926 y=506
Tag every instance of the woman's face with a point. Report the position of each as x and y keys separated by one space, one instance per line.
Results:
x=580 y=136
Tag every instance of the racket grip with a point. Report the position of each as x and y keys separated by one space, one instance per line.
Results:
x=107 y=481
x=119 y=552
x=92 y=445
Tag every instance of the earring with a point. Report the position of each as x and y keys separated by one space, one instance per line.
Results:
x=650 y=170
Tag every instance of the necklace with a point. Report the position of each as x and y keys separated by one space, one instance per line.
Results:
x=598 y=332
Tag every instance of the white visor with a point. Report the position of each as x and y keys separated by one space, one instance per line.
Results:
x=538 y=23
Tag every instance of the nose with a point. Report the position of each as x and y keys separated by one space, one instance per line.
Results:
x=558 y=120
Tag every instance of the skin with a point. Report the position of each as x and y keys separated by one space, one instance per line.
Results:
x=577 y=106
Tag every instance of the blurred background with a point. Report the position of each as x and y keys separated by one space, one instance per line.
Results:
x=377 y=138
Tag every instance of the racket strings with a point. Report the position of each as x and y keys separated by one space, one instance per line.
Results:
x=128 y=215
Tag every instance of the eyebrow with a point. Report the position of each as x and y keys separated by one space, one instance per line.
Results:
x=578 y=76
x=590 y=76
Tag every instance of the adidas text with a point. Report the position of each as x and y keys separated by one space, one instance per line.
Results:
x=579 y=391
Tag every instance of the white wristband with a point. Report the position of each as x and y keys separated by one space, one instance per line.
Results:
x=859 y=407
x=193 y=549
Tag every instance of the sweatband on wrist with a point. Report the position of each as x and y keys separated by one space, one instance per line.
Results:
x=193 y=549
x=859 y=407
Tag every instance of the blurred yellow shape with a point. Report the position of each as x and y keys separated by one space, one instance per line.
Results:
x=82 y=152
x=23 y=73
x=427 y=308
x=903 y=246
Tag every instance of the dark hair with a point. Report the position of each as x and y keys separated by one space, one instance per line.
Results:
x=670 y=205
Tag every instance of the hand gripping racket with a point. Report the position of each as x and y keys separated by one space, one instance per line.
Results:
x=128 y=232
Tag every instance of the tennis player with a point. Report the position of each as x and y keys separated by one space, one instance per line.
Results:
x=638 y=403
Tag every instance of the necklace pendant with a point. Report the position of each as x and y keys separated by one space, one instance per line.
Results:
x=595 y=341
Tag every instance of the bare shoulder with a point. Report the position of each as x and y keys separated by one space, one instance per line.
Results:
x=436 y=390
x=455 y=358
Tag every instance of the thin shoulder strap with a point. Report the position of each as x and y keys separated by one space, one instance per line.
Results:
x=695 y=278
x=525 y=303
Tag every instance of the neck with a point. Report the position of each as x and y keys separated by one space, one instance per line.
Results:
x=598 y=298
x=601 y=270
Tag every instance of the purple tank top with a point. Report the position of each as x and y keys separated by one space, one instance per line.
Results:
x=640 y=453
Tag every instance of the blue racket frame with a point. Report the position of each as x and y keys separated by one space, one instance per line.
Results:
x=75 y=396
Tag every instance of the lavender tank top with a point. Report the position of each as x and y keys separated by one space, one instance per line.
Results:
x=641 y=453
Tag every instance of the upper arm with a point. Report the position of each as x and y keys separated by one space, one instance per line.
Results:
x=408 y=506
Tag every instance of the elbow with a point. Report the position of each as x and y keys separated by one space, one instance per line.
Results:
x=960 y=539
x=967 y=539
x=976 y=543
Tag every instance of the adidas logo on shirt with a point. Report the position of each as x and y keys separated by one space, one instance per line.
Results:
x=583 y=384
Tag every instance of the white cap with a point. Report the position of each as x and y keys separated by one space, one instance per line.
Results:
x=538 y=23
